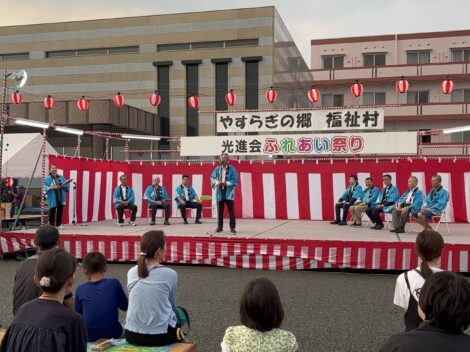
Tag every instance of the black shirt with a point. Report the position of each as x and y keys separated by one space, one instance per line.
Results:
x=427 y=338
x=45 y=326
x=24 y=288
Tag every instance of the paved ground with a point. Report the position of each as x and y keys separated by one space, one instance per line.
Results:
x=326 y=311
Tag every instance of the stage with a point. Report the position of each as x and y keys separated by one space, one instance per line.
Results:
x=259 y=244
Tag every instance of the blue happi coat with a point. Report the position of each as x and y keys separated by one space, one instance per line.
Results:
x=436 y=200
x=370 y=196
x=151 y=194
x=416 y=200
x=117 y=196
x=390 y=198
x=180 y=193
x=50 y=194
x=356 y=194
x=231 y=179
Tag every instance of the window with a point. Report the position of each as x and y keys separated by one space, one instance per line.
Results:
x=372 y=98
x=374 y=59
x=251 y=84
x=426 y=138
x=13 y=57
x=192 y=85
x=333 y=61
x=332 y=100
x=241 y=42
x=163 y=84
x=172 y=47
x=92 y=51
x=86 y=52
x=294 y=63
x=61 y=53
x=418 y=57
x=124 y=50
x=460 y=95
x=207 y=45
x=417 y=97
x=460 y=54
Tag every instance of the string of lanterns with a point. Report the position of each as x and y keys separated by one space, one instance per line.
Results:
x=313 y=95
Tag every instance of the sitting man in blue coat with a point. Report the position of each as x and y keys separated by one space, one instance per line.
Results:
x=385 y=203
x=348 y=198
x=186 y=197
x=367 y=201
x=434 y=204
x=410 y=202
x=157 y=198
x=124 y=199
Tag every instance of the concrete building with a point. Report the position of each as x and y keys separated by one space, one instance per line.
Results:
x=424 y=59
x=205 y=53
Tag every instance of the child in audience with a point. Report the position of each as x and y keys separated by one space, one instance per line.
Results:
x=428 y=246
x=444 y=305
x=100 y=299
x=45 y=324
x=261 y=314
x=150 y=319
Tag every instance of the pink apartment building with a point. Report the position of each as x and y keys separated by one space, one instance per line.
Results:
x=424 y=59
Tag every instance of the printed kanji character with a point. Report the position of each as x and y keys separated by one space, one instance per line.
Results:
x=368 y=117
x=271 y=146
x=241 y=146
x=304 y=120
x=351 y=120
x=334 y=119
x=339 y=144
x=255 y=146
x=227 y=146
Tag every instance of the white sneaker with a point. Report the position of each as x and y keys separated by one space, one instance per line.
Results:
x=132 y=223
x=121 y=224
x=60 y=227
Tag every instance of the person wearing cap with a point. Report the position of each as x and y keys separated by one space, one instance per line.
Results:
x=24 y=288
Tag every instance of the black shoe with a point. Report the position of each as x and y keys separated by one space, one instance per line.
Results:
x=218 y=229
x=233 y=231
x=185 y=221
x=342 y=223
x=357 y=225
x=379 y=226
x=166 y=223
x=152 y=223
x=393 y=230
x=400 y=230
x=198 y=222
x=374 y=227
x=336 y=222
x=353 y=224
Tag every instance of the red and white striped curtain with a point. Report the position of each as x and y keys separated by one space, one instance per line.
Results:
x=268 y=190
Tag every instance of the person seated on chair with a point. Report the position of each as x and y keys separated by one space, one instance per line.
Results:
x=368 y=200
x=157 y=198
x=434 y=204
x=385 y=203
x=349 y=197
x=124 y=199
x=186 y=197
x=409 y=202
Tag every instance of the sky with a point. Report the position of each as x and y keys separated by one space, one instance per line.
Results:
x=305 y=19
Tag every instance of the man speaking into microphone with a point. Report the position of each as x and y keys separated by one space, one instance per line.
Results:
x=224 y=179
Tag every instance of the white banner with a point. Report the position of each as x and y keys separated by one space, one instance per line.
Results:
x=396 y=143
x=301 y=121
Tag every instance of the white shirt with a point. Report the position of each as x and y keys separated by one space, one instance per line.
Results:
x=224 y=173
x=410 y=195
x=402 y=294
x=186 y=193
x=124 y=195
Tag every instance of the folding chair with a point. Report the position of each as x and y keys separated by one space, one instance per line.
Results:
x=443 y=215
x=387 y=219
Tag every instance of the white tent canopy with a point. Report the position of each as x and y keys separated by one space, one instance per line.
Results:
x=20 y=152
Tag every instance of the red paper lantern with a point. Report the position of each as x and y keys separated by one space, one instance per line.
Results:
x=155 y=99
x=402 y=85
x=118 y=100
x=230 y=98
x=356 y=89
x=9 y=182
x=447 y=86
x=83 y=104
x=313 y=94
x=48 y=102
x=16 y=97
x=193 y=101
x=271 y=95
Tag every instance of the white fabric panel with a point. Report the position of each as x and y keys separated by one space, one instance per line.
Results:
x=421 y=181
x=119 y=174
x=447 y=184
x=361 y=176
x=315 y=196
x=292 y=196
x=339 y=185
x=467 y=193
x=175 y=182
x=72 y=195
x=109 y=201
x=85 y=191
x=96 y=196
x=247 y=195
x=269 y=198
x=197 y=185
x=137 y=187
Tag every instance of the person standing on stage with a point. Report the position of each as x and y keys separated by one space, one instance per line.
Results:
x=385 y=203
x=368 y=200
x=124 y=199
x=55 y=190
x=186 y=197
x=224 y=179
x=409 y=202
x=434 y=204
x=157 y=198
x=349 y=197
